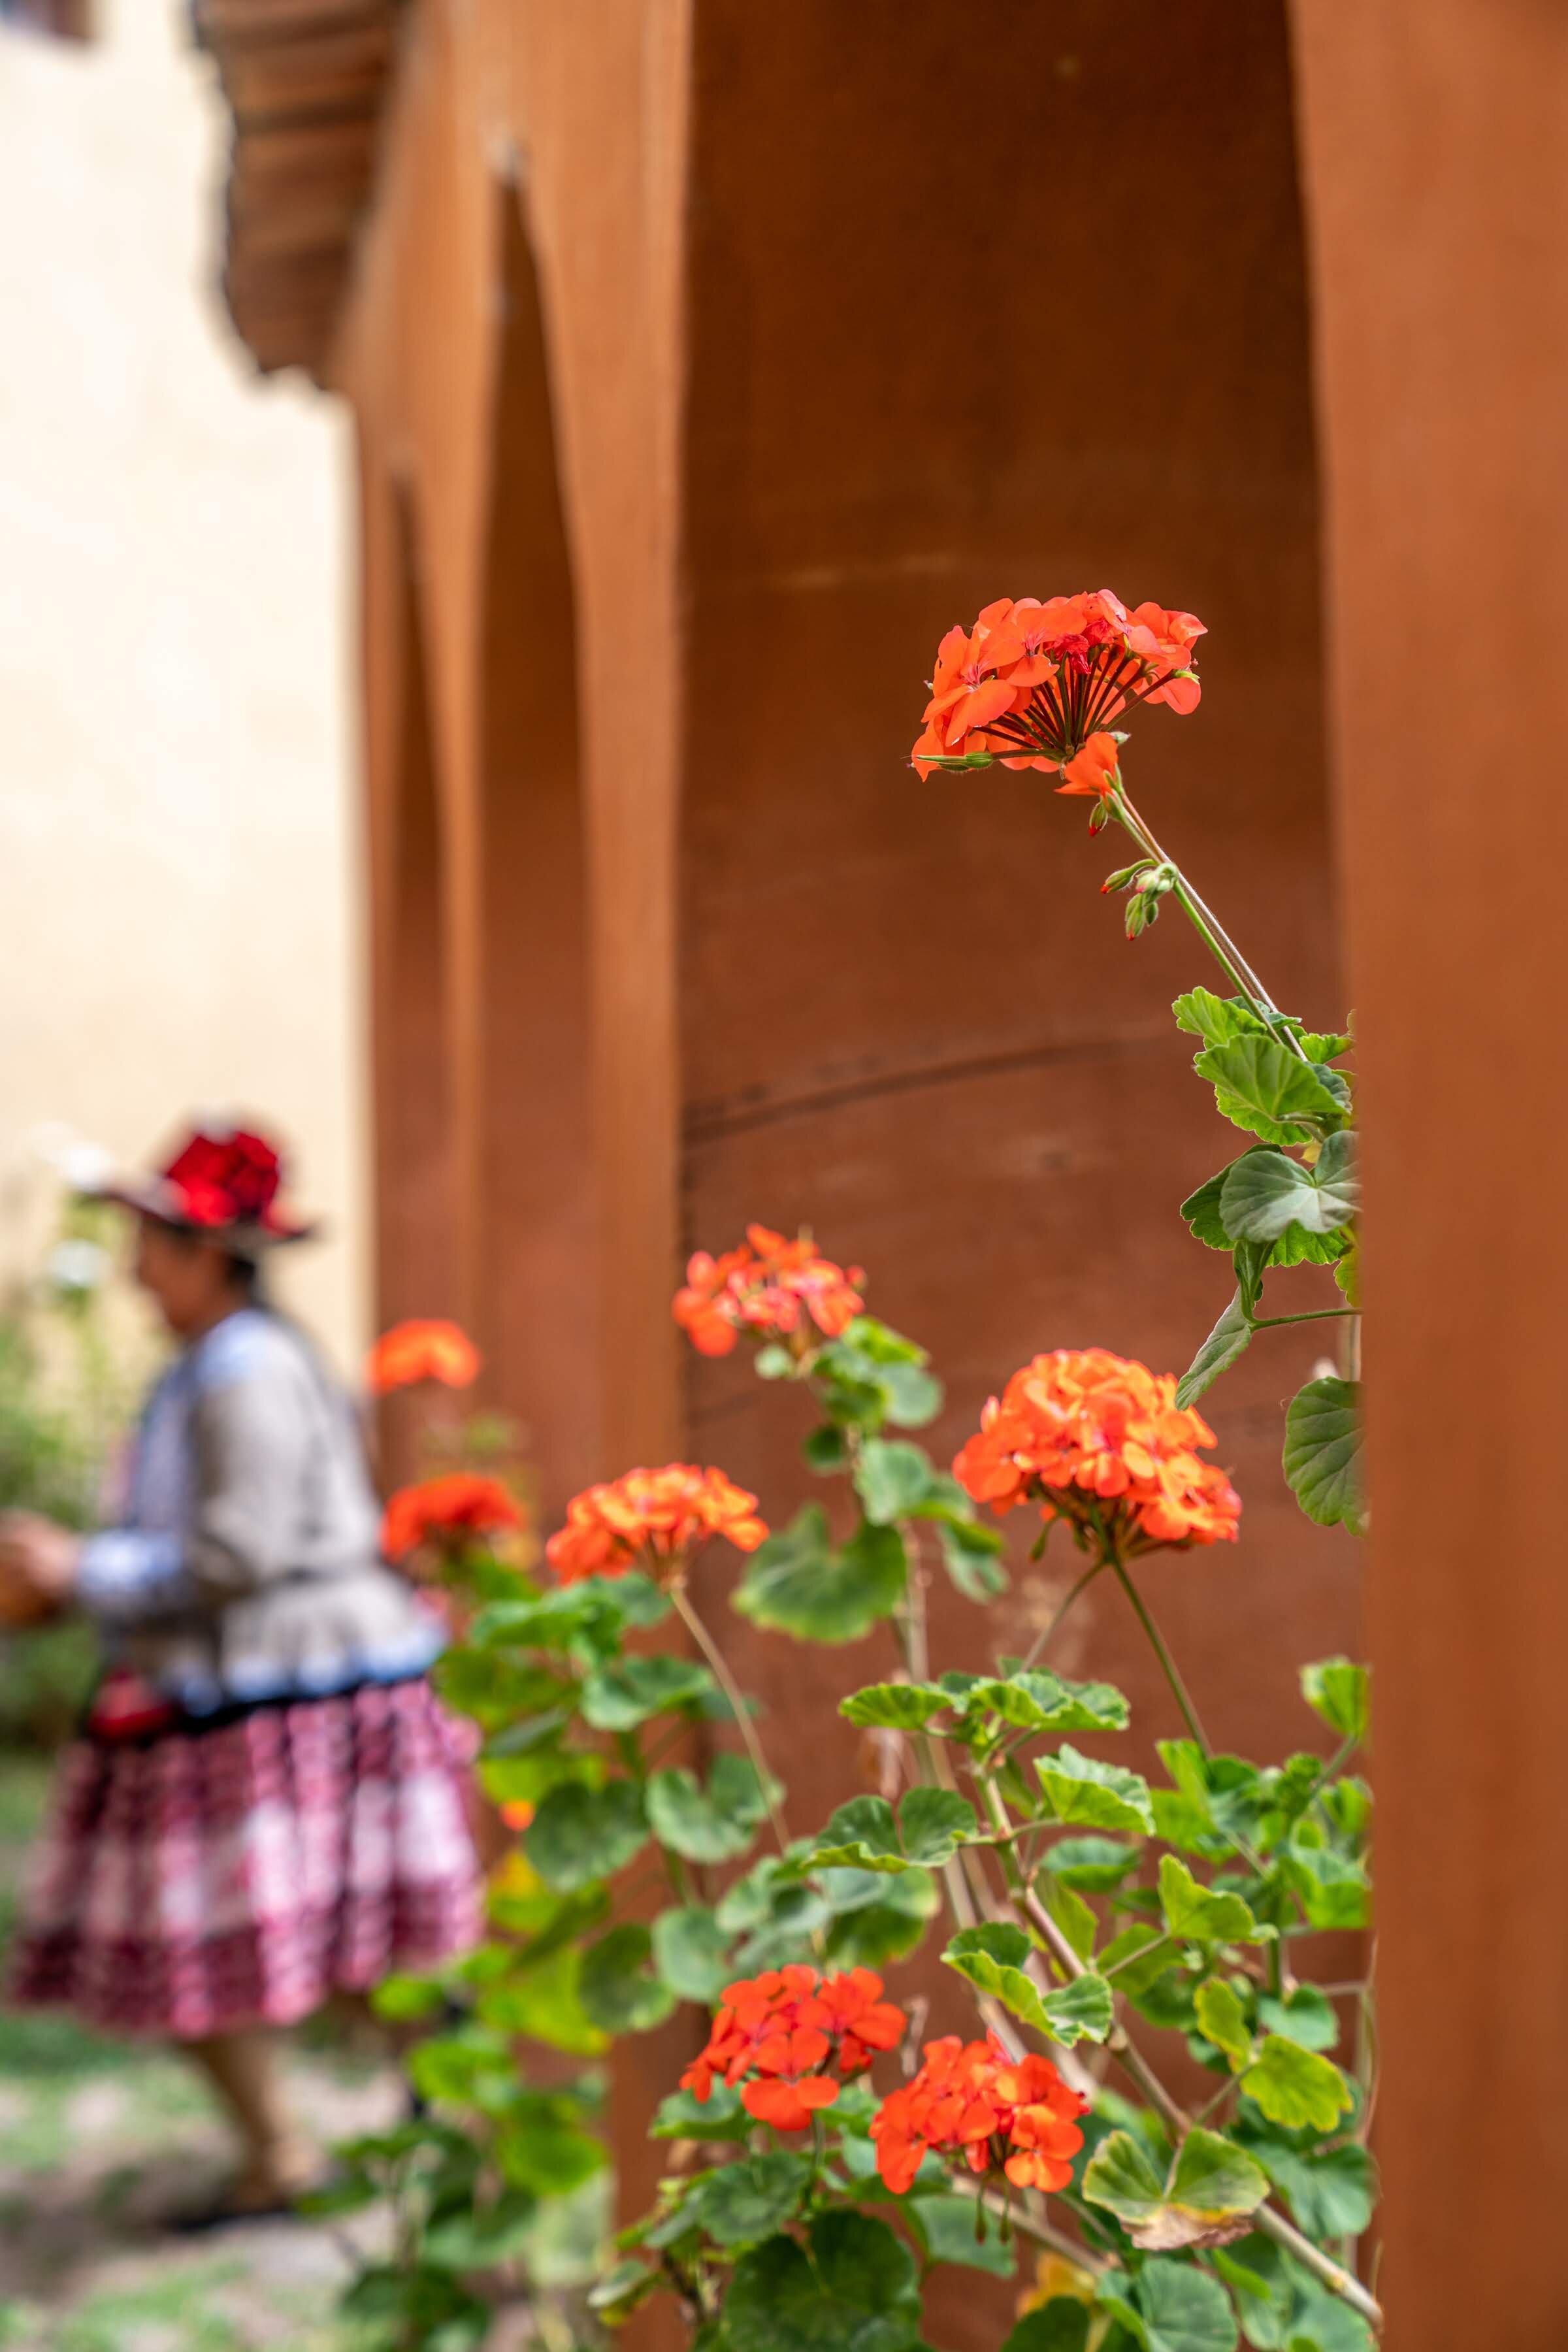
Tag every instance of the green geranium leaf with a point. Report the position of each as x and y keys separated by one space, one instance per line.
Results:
x=620 y=2290
x=545 y=2153
x=1265 y=1193
x=825 y=1449
x=949 y=2223
x=1260 y=1085
x=1296 y=2087
x=1295 y=1246
x=1059 y=2325
x=1331 y=2192
x=1338 y=1691
x=543 y=2003
x=1083 y=2011
x=707 y=1826
x=992 y=1956
x=1230 y=1338
x=1084 y=1793
x=896 y=1706
x=1071 y=1914
x=1222 y=2020
x=1322 y=1452
x=862 y=1834
x=933 y=1823
x=1095 y=1864
x=617 y=1987
x=1034 y=1699
x=891 y=1477
x=876 y=1919
x=1182 y=2309
x=1324 y=2324
x=1304 y=2015
x=691 y=1951
x=856 y=2290
x=969 y=1554
x=749 y=2200
x=1218 y=1019
x=720 y=2116
x=580 y=1834
x=1121 y=2176
x=1333 y=1887
x=1201 y=1211
x=1196 y=1914
x=480 y=2237
x=913 y=1395
x=797 y=1583
x=1212 y=2188
x=618 y=1697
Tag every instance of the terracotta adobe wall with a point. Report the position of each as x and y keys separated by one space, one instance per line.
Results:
x=780 y=339
x=706 y=370
x=1434 y=133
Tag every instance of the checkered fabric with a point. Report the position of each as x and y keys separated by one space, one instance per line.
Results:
x=207 y=1878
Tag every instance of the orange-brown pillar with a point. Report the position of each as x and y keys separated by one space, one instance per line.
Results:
x=1434 y=133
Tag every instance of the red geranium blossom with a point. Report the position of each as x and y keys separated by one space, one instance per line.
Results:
x=1092 y=1437
x=1032 y=683
x=784 y=2029
x=999 y=2114
x=652 y=1518
x=447 y=1512
x=763 y=1288
x=424 y=1348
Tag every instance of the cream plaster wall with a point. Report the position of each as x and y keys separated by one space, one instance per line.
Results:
x=176 y=836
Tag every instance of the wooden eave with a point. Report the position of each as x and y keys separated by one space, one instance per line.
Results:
x=305 y=81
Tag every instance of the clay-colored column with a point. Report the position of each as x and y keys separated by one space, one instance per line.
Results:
x=1434 y=133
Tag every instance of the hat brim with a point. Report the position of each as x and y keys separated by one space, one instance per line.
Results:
x=152 y=1196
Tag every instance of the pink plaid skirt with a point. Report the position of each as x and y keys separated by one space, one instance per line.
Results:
x=207 y=1878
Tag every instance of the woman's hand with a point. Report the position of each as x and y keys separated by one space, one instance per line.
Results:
x=38 y=1567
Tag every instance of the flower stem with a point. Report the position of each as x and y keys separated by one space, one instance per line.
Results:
x=1318 y=1314
x=1028 y=2226
x=1082 y=1585
x=1167 y=1663
x=1207 y=925
x=965 y=1895
x=727 y=1684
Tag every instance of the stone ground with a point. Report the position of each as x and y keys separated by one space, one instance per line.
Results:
x=98 y=2138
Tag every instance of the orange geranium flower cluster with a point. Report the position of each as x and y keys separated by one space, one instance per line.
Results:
x=1037 y=685
x=784 y=2029
x=652 y=1518
x=446 y=1512
x=421 y=1349
x=1085 y=1432
x=999 y=2114
x=763 y=1288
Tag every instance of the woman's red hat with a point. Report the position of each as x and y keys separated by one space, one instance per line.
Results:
x=223 y=1182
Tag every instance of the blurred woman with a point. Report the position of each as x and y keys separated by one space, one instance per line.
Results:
x=266 y=1805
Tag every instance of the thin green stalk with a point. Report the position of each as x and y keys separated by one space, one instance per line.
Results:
x=1028 y=2226
x=1207 y=925
x=1082 y=1585
x=1316 y=1315
x=728 y=1684
x=1167 y=1663
x=965 y=1901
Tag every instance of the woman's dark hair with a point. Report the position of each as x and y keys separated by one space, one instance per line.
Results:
x=244 y=1274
